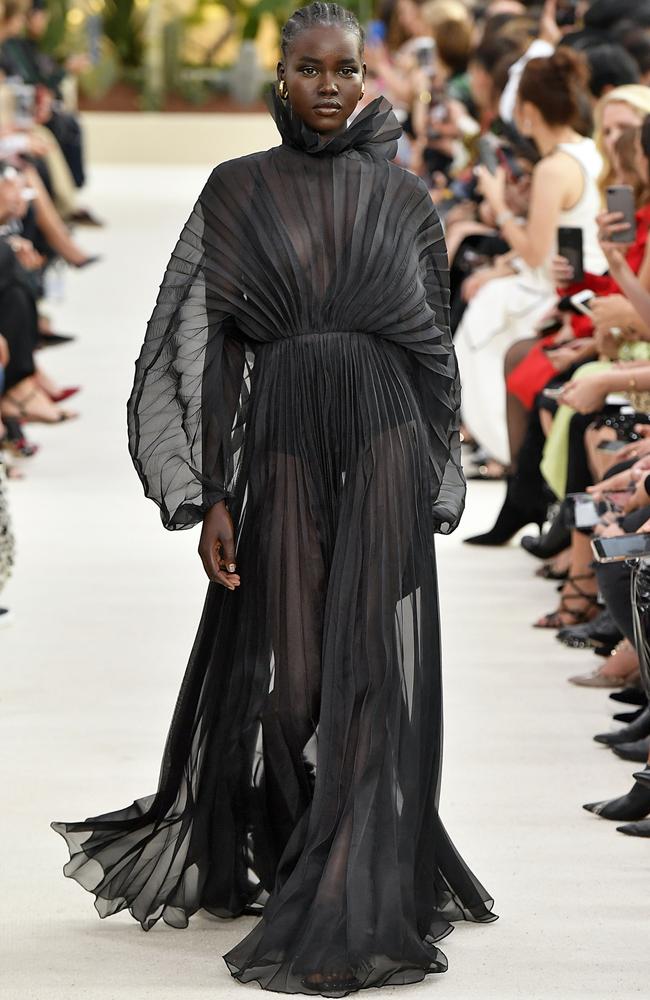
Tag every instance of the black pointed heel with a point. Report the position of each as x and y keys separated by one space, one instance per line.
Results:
x=641 y=829
x=637 y=750
x=633 y=806
x=627 y=717
x=637 y=730
x=554 y=541
x=514 y=515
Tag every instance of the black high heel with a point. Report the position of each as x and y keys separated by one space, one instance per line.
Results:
x=515 y=514
x=637 y=730
x=630 y=696
x=641 y=829
x=331 y=982
x=633 y=806
x=637 y=750
x=628 y=717
x=554 y=541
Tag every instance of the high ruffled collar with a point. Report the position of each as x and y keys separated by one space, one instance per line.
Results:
x=375 y=130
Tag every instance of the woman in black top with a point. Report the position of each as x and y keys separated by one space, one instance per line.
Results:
x=297 y=392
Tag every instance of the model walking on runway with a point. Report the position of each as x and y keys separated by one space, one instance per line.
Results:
x=297 y=392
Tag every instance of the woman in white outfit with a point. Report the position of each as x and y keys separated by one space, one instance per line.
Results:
x=564 y=194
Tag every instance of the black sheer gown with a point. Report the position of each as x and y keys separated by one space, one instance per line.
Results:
x=298 y=363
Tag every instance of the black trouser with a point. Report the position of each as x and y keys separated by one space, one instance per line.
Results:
x=67 y=132
x=614 y=580
x=18 y=318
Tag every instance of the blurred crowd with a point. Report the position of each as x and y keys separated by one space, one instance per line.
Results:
x=530 y=124
x=41 y=174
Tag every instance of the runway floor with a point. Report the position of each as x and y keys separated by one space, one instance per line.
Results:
x=106 y=604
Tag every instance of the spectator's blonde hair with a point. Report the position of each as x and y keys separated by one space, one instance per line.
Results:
x=636 y=96
x=434 y=12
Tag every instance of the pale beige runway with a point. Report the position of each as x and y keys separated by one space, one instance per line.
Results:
x=106 y=603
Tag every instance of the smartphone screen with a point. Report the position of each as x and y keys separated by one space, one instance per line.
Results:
x=569 y=245
x=620 y=548
x=620 y=198
x=586 y=513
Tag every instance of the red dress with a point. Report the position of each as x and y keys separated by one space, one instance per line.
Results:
x=535 y=371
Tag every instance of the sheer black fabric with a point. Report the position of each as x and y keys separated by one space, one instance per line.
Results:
x=298 y=363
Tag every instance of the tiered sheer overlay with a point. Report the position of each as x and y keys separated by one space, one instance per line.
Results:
x=298 y=363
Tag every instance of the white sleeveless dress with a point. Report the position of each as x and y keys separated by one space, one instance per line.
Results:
x=507 y=309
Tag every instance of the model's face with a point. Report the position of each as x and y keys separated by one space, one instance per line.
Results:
x=324 y=76
x=617 y=116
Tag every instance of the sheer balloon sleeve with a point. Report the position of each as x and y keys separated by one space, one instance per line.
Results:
x=437 y=378
x=184 y=411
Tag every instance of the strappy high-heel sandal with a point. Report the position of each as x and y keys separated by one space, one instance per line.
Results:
x=14 y=441
x=24 y=413
x=589 y=610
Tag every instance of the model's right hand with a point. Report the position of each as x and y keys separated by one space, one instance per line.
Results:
x=217 y=546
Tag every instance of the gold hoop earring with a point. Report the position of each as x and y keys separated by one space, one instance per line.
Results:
x=282 y=90
x=362 y=93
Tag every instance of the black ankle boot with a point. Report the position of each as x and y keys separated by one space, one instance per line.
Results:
x=630 y=696
x=554 y=541
x=636 y=730
x=517 y=511
x=628 y=717
x=641 y=829
x=635 y=805
x=635 y=750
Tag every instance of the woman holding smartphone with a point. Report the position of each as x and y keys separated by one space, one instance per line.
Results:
x=297 y=366
x=564 y=193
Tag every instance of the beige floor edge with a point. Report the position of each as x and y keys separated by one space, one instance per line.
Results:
x=106 y=605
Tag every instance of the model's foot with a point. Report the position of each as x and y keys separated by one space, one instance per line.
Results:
x=331 y=981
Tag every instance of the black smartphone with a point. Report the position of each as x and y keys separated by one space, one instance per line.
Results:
x=612 y=446
x=622 y=547
x=578 y=303
x=569 y=245
x=566 y=13
x=487 y=154
x=620 y=198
